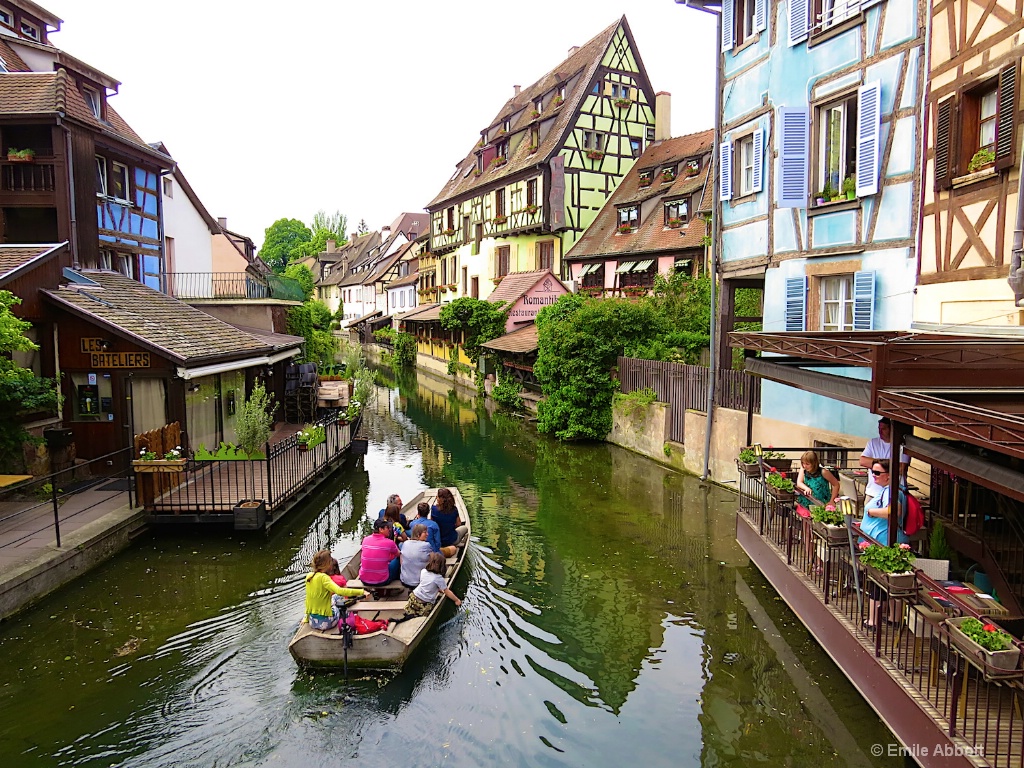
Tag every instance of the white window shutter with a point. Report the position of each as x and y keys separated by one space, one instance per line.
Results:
x=796 y=303
x=793 y=149
x=863 y=300
x=869 y=109
x=728 y=26
x=798 y=18
x=758 y=180
x=760 y=15
x=725 y=170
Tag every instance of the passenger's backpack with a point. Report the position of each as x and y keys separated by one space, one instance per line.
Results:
x=913 y=515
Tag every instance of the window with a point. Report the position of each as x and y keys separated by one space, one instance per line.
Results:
x=743 y=19
x=828 y=13
x=106 y=260
x=101 y=176
x=545 y=254
x=986 y=106
x=3 y=67
x=837 y=144
x=168 y=187
x=593 y=140
x=504 y=252
x=538 y=105
x=465 y=281
x=119 y=182
x=650 y=133
x=678 y=210
x=534 y=138
x=531 y=192
x=503 y=149
x=636 y=146
x=499 y=202
x=629 y=217
x=561 y=93
x=6 y=18
x=746 y=165
x=450 y=215
x=837 y=303
x=646 y=178
x=668 y=173
x=506 y=126
x=92 y=100
x=30 y=31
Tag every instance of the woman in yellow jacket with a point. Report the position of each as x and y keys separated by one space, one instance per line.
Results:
x=320 y=612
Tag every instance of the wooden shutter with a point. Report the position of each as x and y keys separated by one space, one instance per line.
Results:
x=758 y=180
x=725 y=170
x=945 y=162
x=798 y=17
x=760 y=15
x=1007 y=117
x=793 y=149
x=796 y=303
x=869 y=117
x=863 y=300
x=728 y=24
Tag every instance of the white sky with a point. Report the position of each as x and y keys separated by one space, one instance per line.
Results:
x=278 y=110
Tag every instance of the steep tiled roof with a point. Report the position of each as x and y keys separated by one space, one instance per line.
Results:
x=355 y=251
x=401 y=282
x=515 y=285
x=582 y=66
x=520 y=340
x=602 y=238
x=276 y=340
x=170 y=327
x=412 y=225
x=12 y=61
x=426 y=312
x=14 y=258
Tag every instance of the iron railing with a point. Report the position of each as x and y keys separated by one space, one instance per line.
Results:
x=232 y=285
x=972 y=704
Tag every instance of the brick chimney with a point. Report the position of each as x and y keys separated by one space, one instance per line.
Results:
x=517 y=88
x=352 y=237
x=332 y=246
x=662 y=116
x=222 y=221
x=573 y=50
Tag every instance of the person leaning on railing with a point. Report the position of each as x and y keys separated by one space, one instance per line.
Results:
x=880 y=448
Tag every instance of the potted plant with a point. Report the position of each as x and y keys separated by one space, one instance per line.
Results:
x=302 y=440
x=594 y=154
x=776 y=460
x=531 y=149
x=983 y=158
x=249 y=514
x=498 y=161
x=828 y=523
x=780 y=486
x=21 y=155
x=448 y=232
x=692 y=168
x=557 y=101
x=748 y=463
x=532 y=209
x=850 y=188
x=645 y=181
x=253 y=424
x=890 y=567
x=667 y=175
x=500 y=218
x=453 y=287
x=623 y=103
x=983 y=643
x=534 y=114
x=624 y=229
x=497 y=279
x=674 y=223
x=149 y=461
x=826 y=193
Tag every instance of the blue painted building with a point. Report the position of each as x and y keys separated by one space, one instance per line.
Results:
x=821 y=134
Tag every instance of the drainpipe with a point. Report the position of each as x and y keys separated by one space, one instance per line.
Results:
x=69 y=165
x=1016 y=278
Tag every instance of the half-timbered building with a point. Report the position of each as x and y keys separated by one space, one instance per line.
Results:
x=973 y=177
x=542 y=169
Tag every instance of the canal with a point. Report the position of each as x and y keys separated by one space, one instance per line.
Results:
x=609 y=619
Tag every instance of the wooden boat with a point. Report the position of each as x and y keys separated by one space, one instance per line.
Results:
x=389 y=647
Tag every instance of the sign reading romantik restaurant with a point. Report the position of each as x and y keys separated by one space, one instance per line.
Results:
x=541 y=295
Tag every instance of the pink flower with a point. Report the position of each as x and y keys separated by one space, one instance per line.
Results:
x=989 y=627
x=904 y=546
x=830 y=507
x=863 y=545
x=782 y=474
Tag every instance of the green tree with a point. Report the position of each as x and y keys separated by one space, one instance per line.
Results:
x=304 y=276
x=280 y=240
x=21 y=391
x=312 y=321
x=335 y=224
x=480 y=320
x=579 y=342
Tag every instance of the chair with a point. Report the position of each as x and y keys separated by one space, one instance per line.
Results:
x=848 y=487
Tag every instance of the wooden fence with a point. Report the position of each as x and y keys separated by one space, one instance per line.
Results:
x=685 y=387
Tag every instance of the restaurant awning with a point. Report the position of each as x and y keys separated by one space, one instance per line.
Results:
x=853 y=391
x=643 y=265
x=966 y=465
x=625 y=266
x=588 y=268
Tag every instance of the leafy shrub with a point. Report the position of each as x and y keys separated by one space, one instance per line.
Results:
x=405 y=350
x=506 y=394
x=254 y=420
x=635 y=403
x=480 y=320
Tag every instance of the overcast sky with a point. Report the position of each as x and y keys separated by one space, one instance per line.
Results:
x=277 y=110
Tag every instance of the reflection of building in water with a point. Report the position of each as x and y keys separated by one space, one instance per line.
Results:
x=323 y=530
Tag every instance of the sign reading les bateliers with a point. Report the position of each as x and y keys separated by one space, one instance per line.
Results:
x=99 y=357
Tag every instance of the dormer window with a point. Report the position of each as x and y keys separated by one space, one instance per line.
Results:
x=31 y=31
x=646 y=177
x=503 y=149
x=3 y=67
x=6 y=18
x=629 y=218
x=677 y=212
x=506 y=126
x=538 y=105
x=668 y=173
x=92 y=100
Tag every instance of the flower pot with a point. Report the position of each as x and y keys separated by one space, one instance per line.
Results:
x=749 y=470
x=21 y=158
x=986 y=660
x=851 y=195
x=779 y=494
x=250 y=514
x=832 y=534
x=819 y=201
x=782 y=465
x=893 y=583
x=159 y=465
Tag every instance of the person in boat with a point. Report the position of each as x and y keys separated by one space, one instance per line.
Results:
x=379 y=564
x=444 y=513
x=321 y=612
x=395 y=499
x=415 y=553
x=432 y=585
x=391 y=514
x=433 y=532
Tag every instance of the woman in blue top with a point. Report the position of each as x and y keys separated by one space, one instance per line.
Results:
x=444 y=513
x=877 y=518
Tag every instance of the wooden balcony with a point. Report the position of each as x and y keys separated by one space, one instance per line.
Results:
x=28 y=183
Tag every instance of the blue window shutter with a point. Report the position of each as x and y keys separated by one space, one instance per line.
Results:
x=798 y=17
x=793 y=149
x=760 y=15
x=725 y=170
x=863 y=300
x=869 y=106
x=796 y=303
x=728 y=27
x=758 y=181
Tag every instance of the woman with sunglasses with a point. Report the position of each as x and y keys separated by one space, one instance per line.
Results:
x=878 y=513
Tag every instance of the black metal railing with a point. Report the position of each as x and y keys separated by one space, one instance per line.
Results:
x=232 y=285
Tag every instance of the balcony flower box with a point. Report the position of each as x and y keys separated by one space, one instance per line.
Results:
x=498 y=161
x=624 y=229
x=21 y=155
x=646 y=182
x=748 y=470
x=500 y=219
x=623 y=103
x=532 y=209
x=534 y=114
x=1005 y=659
x=158 y=465
x=448 y=232
x=779 y=494
x=667 y=176
x=595 y=154
x=778 y=463
x=893 y=583
x=892 y=568
x=832 y=534
x=557 y=101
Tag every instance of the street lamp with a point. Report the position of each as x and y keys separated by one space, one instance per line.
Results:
x=848 y=508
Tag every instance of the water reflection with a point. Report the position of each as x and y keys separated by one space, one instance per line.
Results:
x=609 y=617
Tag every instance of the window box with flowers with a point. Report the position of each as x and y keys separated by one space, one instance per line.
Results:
x=595 y=154
x=21 y=155
x=827 y=523
x=500 y=219
x=625 y=229
x=498 y=161
x=623 y=103
x=532 y=209
x=645 y=181
x=534 y=114
x=692 y=168
x=674 y=223
x=532 y=149
x=668 y=175
x=557 y=101
x=497 y=279
x=149 y=461
x=984 y=644
x=453 y=287
x=780 y=486
x=448 y=232
x=634 y=291
x=892 y=568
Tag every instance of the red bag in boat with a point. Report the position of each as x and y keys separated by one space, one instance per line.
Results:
x=366 y=626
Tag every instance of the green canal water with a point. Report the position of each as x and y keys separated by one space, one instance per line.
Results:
x=610 y=618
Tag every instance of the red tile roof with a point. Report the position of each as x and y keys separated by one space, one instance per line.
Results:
x=577 y=70
x=12 y=61
x=14 y=258
x=514 y=285
x=401 y=282
x=520 y=340
x=652 y=236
